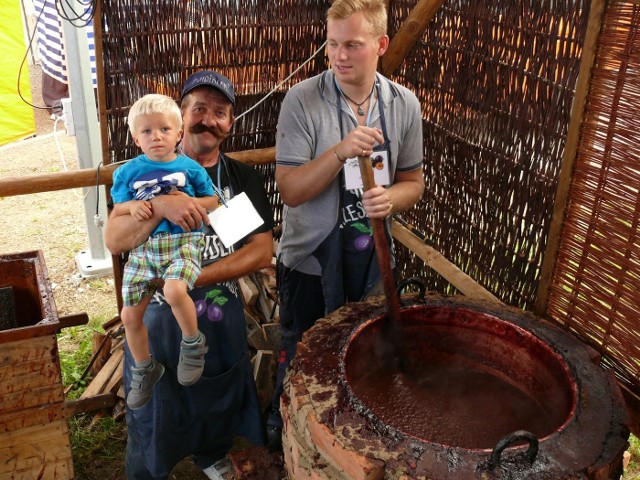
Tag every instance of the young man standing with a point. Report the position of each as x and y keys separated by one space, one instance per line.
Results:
x=326 y=256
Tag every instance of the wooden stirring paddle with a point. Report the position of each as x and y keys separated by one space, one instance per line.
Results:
x=382 y=250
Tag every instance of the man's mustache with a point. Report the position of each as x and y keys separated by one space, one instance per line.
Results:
x=214 y=130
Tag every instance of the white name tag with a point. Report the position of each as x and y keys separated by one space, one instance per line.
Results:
x=380 y=164
x=236 y=220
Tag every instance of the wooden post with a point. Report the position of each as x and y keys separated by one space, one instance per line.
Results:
x=410 y=31
x=571 y=146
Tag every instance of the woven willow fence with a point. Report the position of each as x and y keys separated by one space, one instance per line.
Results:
x=153 y=46
x=496 y=80
x=595 y=288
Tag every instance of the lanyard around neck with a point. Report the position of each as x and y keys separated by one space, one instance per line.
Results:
x=216 y=189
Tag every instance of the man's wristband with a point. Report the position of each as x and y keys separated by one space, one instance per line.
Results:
x=335 y=152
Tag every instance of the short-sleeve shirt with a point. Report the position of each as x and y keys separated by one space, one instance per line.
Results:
x=143 y=179
x=309 y=125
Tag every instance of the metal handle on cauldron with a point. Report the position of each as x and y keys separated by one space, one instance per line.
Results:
x=515 y=437
x=416 y=282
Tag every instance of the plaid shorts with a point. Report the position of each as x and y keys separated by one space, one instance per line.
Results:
x=167 y=256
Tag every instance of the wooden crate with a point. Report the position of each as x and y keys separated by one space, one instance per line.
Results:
x=34 y=434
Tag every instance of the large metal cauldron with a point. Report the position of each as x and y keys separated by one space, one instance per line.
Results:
x=472 y=391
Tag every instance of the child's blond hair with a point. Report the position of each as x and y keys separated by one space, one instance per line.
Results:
x=151 y=104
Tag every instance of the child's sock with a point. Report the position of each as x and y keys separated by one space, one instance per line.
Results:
x=190 y=340
x=143 y=364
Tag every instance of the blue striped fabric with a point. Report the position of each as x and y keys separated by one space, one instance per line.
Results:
x=51 y=44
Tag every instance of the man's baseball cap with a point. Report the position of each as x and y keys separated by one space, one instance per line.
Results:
x=211 y=79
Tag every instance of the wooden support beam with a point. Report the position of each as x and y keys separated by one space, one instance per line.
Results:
x=90 y=404
x=51 y=182
x=411 y=30
x=87 y=177
x=259 y=156
x=596 y=13
x=440 y=264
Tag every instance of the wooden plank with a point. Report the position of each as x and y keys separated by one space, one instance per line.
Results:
x=266 y=300
x=117 y=345
x=21 y=376
x=60 y=470
x=24 y=456
x=273 y=332
x=267 y=279
x=594 y=24
x=263 y=375
x=255 y=334
x=91 y=404
x=98 y=383
x=85 y=177
x=32 y=416
x=73 y=320
x=116 y=379
x=101 y=350
x=32 y=436
x=29 y=349
x=440 y=264
x=112 y=324
x=249 y=290
x=258 y=156
x=33 y=398
x=251 y=320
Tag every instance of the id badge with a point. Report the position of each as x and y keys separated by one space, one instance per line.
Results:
x=235 y=220
x=380 y=164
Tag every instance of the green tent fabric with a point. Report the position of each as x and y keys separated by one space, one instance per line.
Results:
x=16 y=121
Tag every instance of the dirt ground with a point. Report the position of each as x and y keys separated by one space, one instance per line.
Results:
x=53 y=221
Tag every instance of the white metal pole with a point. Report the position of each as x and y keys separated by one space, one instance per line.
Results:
x=95 y=261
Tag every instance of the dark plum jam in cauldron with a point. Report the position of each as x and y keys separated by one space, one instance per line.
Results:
x=458 y=377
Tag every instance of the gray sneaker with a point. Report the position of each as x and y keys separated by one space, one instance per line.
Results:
x=191 y=362
x=142 y=382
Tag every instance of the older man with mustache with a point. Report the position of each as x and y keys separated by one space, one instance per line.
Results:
x=200 y=420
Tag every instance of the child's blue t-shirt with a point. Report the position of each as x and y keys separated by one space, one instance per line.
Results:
x=143 y=179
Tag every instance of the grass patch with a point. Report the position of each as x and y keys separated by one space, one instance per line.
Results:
x=633 y=470
x=76 y=345
x=98 y=447
x=98 y=443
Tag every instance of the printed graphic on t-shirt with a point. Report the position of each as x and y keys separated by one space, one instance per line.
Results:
x=158 y=182
x=355 y=223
